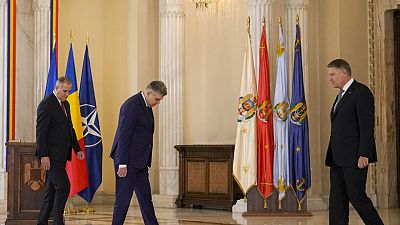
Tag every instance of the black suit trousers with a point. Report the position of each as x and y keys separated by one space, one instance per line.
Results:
x=348 y=184
x=56 y=195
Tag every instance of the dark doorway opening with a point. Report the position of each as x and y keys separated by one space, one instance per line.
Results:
x=396 y=23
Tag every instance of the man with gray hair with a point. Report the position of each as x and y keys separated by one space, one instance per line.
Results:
x=55 y=139
x=351 y=147
x=132 y=152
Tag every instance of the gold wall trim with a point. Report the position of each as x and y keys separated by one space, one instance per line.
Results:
x=371 y=71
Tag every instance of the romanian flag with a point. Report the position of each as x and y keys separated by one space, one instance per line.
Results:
x=54 y=27
x=11 y=72
x=76 y=169
x=265 y=129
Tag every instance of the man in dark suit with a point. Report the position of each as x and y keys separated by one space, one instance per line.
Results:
x=55 y=139
x=132 y=151
x=351 y=147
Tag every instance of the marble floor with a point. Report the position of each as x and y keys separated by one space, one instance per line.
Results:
x=103 y=216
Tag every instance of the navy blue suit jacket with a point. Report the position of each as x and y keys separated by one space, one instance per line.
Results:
x=133 y=142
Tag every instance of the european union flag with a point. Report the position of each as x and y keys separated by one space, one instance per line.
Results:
x=299 y=154
x=91 y=131
x=52 y=75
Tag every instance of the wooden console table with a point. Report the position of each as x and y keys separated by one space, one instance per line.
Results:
x=205 y=177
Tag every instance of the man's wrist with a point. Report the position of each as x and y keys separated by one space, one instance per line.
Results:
x=121 y=166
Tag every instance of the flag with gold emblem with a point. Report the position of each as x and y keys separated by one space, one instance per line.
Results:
x=281 y=106
x=299 y=154
x=245 y=157
x=265 y=130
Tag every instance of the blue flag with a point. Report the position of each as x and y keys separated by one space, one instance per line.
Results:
x=52 y=75
x=299 y=152
x=91 y=131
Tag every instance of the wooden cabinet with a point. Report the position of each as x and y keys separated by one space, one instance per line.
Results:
x=26 y=184
x=205 y=177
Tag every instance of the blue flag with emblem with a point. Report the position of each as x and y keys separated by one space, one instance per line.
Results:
x=52 y=75
x=91 y=131
x=299 y=154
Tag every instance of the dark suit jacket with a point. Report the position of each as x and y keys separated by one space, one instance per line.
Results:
x=352 y=128
x=133 y=142
x=55 y=135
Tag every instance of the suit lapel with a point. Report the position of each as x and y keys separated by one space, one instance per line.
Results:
x=58 y=106
x=332 y=109
x=345 y=97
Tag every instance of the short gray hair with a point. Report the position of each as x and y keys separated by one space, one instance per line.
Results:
x=157 y=86
x=63 y=80
x=340 y=64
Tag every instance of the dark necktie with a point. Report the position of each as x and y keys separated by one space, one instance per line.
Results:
x=63 y=108
x=339 y=97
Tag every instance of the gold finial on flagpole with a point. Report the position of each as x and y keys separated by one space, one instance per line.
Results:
x=248 y=24
x=87 y=209
x=263 y=21
x=87 y=38
x=297 y=19
x=54 y=39
x=280 y=21
x=265 y=203
x=70 y=36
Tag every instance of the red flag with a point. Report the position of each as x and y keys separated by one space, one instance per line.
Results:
x=265 y=135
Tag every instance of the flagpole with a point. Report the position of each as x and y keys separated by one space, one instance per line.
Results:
x=69 y=210
x=54 y=40
x=263 y=21
x=279 y=200
x=248 y=25
x=87 y=209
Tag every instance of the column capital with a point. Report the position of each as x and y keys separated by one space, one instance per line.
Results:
x=3 y=3
x=297 y=4
x=172 y=6
x=40 y=4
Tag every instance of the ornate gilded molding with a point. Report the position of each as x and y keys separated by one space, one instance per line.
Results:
x=371 y=71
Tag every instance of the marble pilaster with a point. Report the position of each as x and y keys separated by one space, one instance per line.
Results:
x=171 y=110
x=41 y=47
x=3 y=97
x=258 y=9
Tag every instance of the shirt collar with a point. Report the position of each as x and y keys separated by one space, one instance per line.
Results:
x=54 y=92
x=145 y=102
x=347 y=85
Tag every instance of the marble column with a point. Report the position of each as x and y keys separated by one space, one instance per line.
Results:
x=294 y=8
x=257 y=10
x=171 y=109
x=41 y=50
x=3 y=98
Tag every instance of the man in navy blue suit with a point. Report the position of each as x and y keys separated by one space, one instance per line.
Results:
x=132 y=151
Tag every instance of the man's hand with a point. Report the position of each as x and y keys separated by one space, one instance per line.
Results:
x=362 y=162
x=122 y=172
x=45 y=163
x=80 y=155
